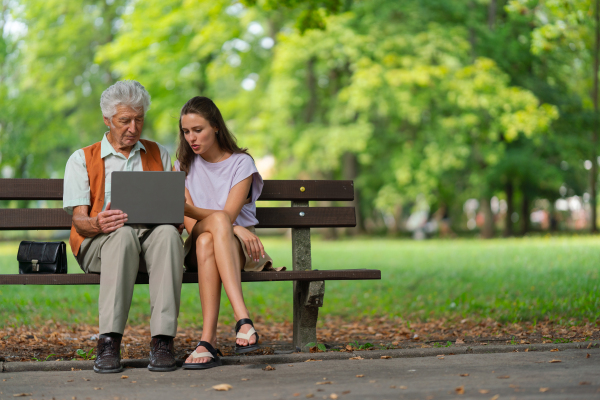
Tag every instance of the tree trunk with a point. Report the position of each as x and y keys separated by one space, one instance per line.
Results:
x=594 y=170
x=311 y=83
x=508 y=224
x=492 y=10
x=524 y=217
x=487 y=231
x=350 y=172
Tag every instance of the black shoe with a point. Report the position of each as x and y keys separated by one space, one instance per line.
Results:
x=162 y=355
x=108 y=356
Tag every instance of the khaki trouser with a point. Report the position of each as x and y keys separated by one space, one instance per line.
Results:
x=118 y=256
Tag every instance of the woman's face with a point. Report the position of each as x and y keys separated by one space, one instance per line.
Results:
x=198 y=133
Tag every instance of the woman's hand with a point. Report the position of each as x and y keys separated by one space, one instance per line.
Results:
x=254 y=246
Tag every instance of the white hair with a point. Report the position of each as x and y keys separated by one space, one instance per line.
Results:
x=127 y=93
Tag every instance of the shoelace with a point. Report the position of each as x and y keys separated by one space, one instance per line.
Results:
x=105 y=346
x=161 y=347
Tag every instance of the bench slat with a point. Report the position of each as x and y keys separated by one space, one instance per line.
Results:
x=269 y=217
x=94 y=279
x=52 y=189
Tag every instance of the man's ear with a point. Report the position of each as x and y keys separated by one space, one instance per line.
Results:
x=106 y=121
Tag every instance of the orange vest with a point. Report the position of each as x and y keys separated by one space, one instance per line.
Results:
x=151 y=161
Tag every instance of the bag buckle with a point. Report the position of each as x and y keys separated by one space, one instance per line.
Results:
x=35 y=267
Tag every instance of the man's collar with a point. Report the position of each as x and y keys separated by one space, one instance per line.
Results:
x=106 y=148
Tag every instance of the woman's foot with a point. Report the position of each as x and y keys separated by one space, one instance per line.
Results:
x=243 y=342
x=246 y=337
x=199 y=360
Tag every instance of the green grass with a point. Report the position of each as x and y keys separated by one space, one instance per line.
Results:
x=508 y=280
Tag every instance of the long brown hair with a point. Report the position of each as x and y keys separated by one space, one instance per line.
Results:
x=207 y=109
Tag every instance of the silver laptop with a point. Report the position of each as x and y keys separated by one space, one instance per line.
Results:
x=149 y=197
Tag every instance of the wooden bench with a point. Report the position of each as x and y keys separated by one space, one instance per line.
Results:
x=309 y=284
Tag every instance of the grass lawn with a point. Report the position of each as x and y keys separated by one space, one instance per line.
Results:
x=508 y=280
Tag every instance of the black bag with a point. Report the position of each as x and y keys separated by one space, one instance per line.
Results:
x=42 y=258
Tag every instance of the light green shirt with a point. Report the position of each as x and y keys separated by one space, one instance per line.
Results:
x=77 y=185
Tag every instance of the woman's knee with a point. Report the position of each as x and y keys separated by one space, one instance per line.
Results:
x=205 y=243
x=219 y=221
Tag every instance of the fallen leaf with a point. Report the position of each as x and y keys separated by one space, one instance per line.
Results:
x=290 y=365
x=245 y=379
x=440 y=357
x=554 y=361
x=310 y=395
x=464 y=374
x=312 y=359
x=85 y=379
x=584 y=383
x=193 y=385
x=372 y=381
x=588 y=355
x=496 y=397
x=296 y=394
x=403 y=387
x=124 y=377
x=386 y=357
x=460 y=390
x=333 y=396
x=268 y=368
x=360 y=376
x=527 y=349
x=554 y=350
x=70 y=380
x=393 y=387
x=98 y=388
x=323 y=383
x=22 y=394
x=459 y=341
x=133 y=381
x=223 y=387
x=345 y=392
x=544 y=390
x=356 y=358
x=513 y=386
x=589 y=346
x=503 y=377
x=484 y=391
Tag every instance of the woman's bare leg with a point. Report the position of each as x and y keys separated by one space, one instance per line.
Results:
x=228 y=257
x=209 y=285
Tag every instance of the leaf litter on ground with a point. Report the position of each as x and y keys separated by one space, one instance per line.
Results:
x=60 y=341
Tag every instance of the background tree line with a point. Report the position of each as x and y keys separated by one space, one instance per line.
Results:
x=421 y=103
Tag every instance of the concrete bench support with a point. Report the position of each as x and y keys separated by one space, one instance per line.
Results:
x=308 y=296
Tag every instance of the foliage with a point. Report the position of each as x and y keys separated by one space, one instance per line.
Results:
x=439 y=101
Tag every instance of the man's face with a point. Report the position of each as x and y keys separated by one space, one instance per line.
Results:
x=125 y=126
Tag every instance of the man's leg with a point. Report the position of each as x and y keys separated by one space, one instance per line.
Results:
x=116 y=257
x=162 y=250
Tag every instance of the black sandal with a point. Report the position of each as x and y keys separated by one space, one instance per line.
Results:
x=212 y=352
x=250 y=347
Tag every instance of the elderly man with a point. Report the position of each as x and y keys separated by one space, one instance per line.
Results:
x=103 y=244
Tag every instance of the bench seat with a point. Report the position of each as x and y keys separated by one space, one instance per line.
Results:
x=189 y=277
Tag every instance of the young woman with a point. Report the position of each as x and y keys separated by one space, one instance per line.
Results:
x=222 y=185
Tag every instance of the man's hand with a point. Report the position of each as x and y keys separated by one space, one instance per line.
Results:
x=180 y=228
x=110 y=220
x=254 y=246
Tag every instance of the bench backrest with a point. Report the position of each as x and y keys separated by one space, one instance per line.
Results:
x=299 y=192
